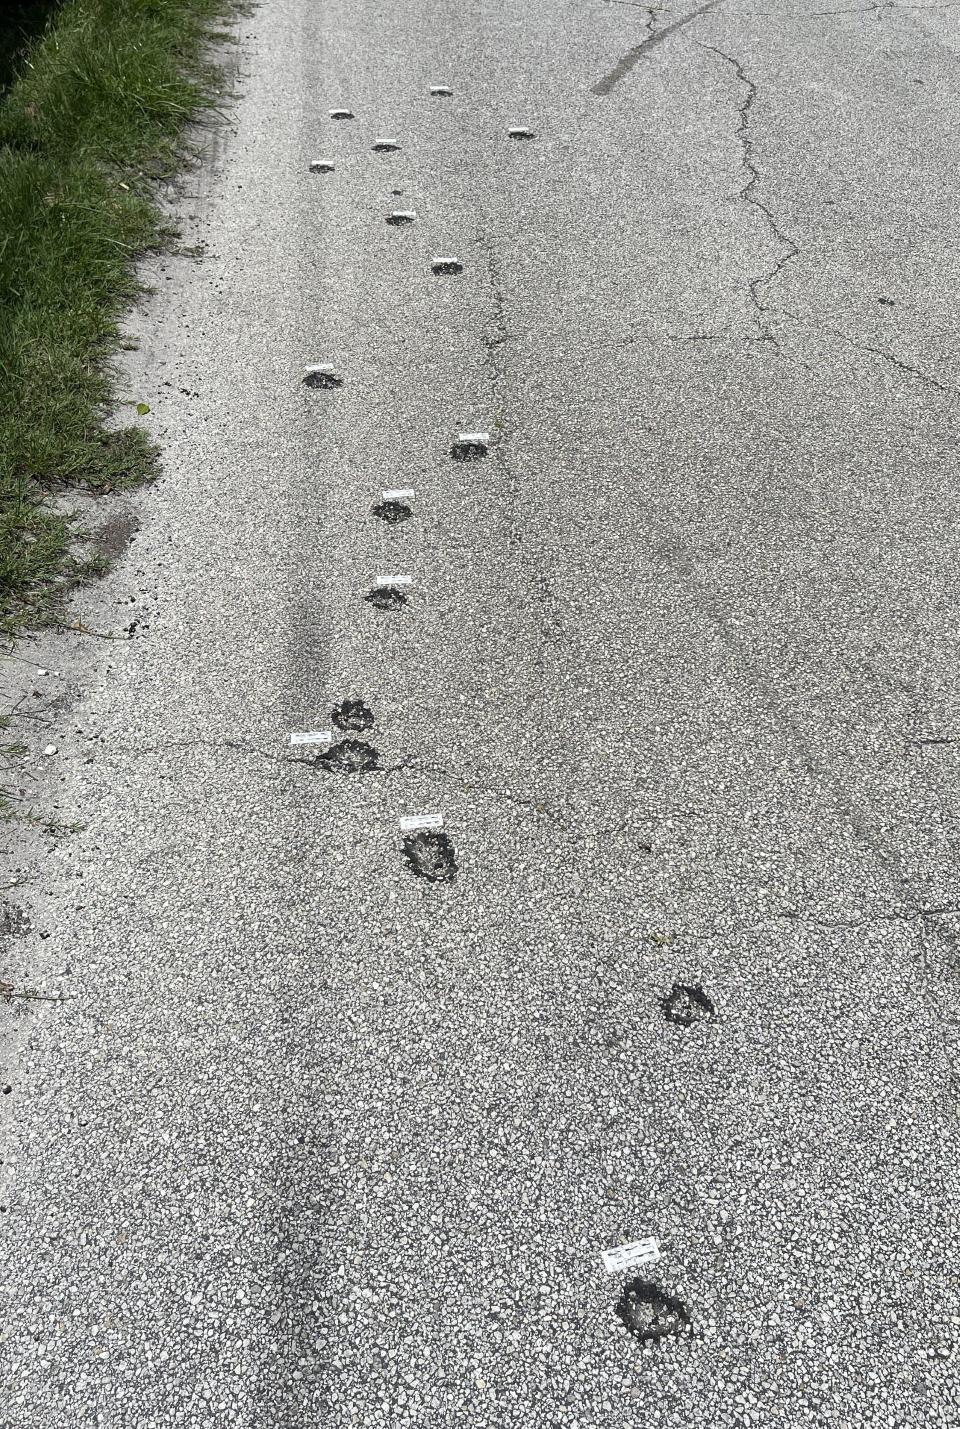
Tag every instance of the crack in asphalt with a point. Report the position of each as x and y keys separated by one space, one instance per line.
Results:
x=653 y=37
x=749 y=196
x=906 y=367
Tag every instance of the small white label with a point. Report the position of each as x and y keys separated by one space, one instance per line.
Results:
x=413 y=822
x=312 y=736
x=403 y=215
x=440 y=89
x=635 y=1252
x=321 y=369
x=519 y=131
x=321 y=166
x=341 y=113
x=392 y=580
x=474 y=439
x=398 y=495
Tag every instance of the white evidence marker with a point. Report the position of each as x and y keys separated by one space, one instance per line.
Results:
x=383 y=581
x=398 y=495
x=321 y=166
x=412 y=823
x=441 y=91
x=474 y=439
x=635 y=1252
x=341 y=113
x=519 y=132
x=312 y=736
x=402 y=215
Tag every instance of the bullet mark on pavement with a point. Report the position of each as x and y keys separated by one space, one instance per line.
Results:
x=348 y=756
x=430 y=855
x=386 y=597
x=352 y=715
x=686 y=1004
x=650 y=1314
x=401 y=216
x=322 y=375
x=470 y=446
x=446 y=265
x=392 y=511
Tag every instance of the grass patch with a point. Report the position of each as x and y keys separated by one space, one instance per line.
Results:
x=94 y=115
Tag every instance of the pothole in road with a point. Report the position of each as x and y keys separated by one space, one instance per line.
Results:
x=687 y=1003
x=386 y=597
x=447 y=265
x=349 y=756
x=650 y=1314
x=386 y=146
x=431 y=856
x=352 y=714
x=392 y=512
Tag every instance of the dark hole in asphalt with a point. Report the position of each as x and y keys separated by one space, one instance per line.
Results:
x=352 y=714
x=649 y=1313
x=397 y=220
x=341 y=114
x=430 y=856
x=386 y=597
x=392 y=511
x=686 y=1004
x=447 y=265
x=349 y=756
x=887 y=302
x=385 y=146
x=468 y=451
x=323 y=379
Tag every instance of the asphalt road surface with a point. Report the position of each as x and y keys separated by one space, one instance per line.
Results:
x=313 y=1140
